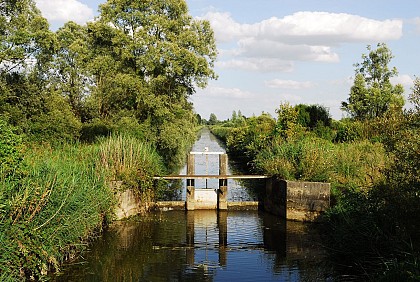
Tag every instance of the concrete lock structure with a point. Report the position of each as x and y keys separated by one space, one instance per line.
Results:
x=296 y=200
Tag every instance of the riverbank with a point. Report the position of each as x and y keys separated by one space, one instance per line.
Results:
x=56 y=199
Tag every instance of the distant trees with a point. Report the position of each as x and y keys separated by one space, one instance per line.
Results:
x=372 y=93
x=213 y=119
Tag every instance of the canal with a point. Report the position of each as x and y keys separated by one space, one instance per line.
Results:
x=205 y=245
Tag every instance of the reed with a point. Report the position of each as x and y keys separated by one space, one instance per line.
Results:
x=131 y=161
x=48 y=216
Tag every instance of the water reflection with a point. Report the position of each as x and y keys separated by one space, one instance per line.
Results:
x=203 y=246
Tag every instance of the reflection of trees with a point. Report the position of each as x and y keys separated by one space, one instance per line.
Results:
x=152 y=248
x=173 y=246
x=296 y=245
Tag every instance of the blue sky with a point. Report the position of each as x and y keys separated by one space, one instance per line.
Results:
x=296 y=51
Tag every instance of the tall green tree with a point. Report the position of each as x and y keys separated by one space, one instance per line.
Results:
x=147 y=58
x=25 y=38
x=156 y=42
x=27 y=49
x=71 y=77
x=372 y=93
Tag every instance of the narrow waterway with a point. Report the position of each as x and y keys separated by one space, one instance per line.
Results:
x=204 y=245
x=239 y=190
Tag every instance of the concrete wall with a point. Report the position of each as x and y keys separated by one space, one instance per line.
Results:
x=296 y=200
x=127 y=202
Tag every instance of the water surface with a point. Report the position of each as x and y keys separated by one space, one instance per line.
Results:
x=203 y=246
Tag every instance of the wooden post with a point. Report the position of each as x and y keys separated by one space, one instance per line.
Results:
x=222 y=192
x=190 y=198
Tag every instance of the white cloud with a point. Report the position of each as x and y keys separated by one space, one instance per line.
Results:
x=316 y=27
x=222 y=92
x=406 y=80
x=65 y=10
x=307 y=27
x=257 y=64
x=252 y=47
x=289 y=84
x=274 y=44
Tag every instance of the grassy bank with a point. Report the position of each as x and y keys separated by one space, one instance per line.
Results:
x=55 y=199
x=49 y=212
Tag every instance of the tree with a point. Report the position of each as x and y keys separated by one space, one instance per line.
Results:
x=147 y=58
x=372 y=93
x=27 y=98
x=156 y=42
x=213 y=119
x=287 y=121
x=71 y=77
x=25 y=38
x=414 y=96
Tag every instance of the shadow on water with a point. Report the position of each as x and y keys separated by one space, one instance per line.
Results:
x=203 y=246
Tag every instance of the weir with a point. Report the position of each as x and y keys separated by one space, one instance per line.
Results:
x=293 y=200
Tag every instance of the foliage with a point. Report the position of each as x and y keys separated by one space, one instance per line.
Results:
x=383 y=222
x=414 y=96
x=311 y=116
x=314 y=159
x=372 y=94
x=11 y=154
x=251 y=136
x=25 y=38
x=45 y=215
x=70 y=75
x=287 y=121
x=213 y=119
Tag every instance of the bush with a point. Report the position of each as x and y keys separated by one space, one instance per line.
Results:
x=358 y=164
x=10 y=150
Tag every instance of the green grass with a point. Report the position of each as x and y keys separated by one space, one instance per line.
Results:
x=48 y=215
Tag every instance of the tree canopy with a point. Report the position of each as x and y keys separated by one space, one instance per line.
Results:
x=372 y=93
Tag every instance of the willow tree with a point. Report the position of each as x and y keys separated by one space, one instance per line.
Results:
x=27 y=49
x=149 y=58
x=372 y=93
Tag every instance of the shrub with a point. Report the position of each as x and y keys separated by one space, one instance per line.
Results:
x=10 y=150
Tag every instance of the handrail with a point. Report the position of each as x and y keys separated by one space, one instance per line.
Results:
x=173 y=177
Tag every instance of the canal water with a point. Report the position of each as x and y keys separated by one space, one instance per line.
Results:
x=204 y=245
x=209 y=164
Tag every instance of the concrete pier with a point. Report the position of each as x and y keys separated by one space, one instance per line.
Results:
x=297 y=200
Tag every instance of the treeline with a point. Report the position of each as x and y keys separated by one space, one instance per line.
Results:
x=371 y=159
x=86 y=105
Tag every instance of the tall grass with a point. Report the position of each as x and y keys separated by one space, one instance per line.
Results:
x=47 y=216
x=356 y=164
x=133 y=162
